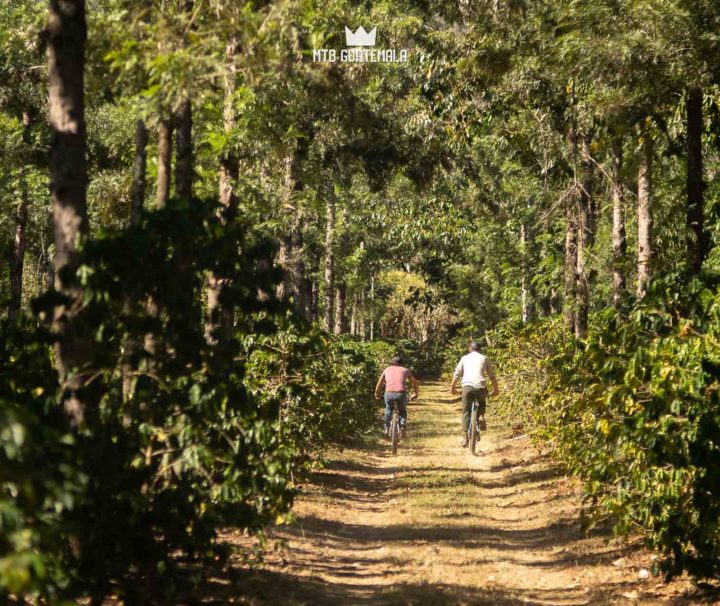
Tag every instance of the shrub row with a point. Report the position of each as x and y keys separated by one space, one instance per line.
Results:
x=634 y=410
x=210 y=434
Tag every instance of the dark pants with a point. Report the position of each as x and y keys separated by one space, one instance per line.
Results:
x=401 y=398
x=470 y=395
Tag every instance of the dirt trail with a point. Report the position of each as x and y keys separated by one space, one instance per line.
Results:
x=434 y=525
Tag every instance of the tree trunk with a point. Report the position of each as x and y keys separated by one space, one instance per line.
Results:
x=341 y=319
x=329 y=261
x=229 y=168
x=372 y=308
x=362 y=331
x=291 y=253
x=17 y=259
x=341 y=326
x=527 y=292
x=137 y=201
x=184 y=151
x=569 y=295
x=17 y=253
x=697 y=242
x=302 y=285
x=283 y=260
x=66 y=37
x=585 y=239
x=222 y=317
x=619 y=241
x=164 y=162
x=644 y=212
x=571 y=235
x=139 y=179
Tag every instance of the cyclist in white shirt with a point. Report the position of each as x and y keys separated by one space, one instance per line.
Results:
x=475 y=370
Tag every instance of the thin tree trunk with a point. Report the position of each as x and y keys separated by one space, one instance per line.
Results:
x=353 y=316
x=184 y=151
x=372 y=308
x=290 y=256
x=340 y=312
x=341 y=319
x=569 y=295
x=137 y=201
x=17 y=254
x=314 y=301
x=644 y=212
x=363 y=314
x=571 y=235
x=17 y=260
x=222 y=317
x=283 y=261
x=619 y=241
x=527 y=292
x=66 y=37
x=329 y=273
x=585 y=239
x=165 y=132
x=302 y=284
x=228 y=162
x=162 y=195
x=697 y=242
x=139 y=180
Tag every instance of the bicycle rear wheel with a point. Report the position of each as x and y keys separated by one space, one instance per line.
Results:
x=395 y=431
x=473 y=430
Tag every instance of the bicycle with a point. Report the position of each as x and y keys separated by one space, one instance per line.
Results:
x=396 y=431
x=395 y=427
x=477 y=425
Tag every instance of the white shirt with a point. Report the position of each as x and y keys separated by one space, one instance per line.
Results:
x=475 y=369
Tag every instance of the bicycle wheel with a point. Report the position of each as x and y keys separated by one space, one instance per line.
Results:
x=473 y=430
x=395 y=431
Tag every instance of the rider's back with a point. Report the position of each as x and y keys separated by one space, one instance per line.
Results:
x=395 y=377
x=475 y=368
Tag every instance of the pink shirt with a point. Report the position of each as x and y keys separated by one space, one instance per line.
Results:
x=395 y=377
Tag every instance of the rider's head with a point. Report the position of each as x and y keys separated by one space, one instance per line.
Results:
x=474 y=346
x=397 y=360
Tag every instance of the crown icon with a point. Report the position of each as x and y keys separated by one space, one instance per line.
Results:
x=360 y=37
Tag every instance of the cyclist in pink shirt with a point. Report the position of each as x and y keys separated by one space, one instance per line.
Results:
x=395 y=378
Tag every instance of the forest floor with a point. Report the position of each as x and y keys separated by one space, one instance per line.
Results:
x=436 y=525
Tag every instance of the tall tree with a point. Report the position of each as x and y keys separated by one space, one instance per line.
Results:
x=164 y=162
x=585 y=239
x=66 y=38
x=341 y=315
x=644 y=210
x=17 y=252
x=329 y=269
x=139 y=177
x=527 y=292
x=570 y=282
x=292 y=249
x=137 y=202
x=222 y=316
x=619 y=241
x=184 y=151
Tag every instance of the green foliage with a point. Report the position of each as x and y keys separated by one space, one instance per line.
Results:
x=159 y=472
x=321 y=384
x=634 y=412
x=211 y=430
x=39 y=481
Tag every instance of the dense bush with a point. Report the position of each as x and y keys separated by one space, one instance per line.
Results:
x=207 y=435
x=634 y=410
x=321 y=384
